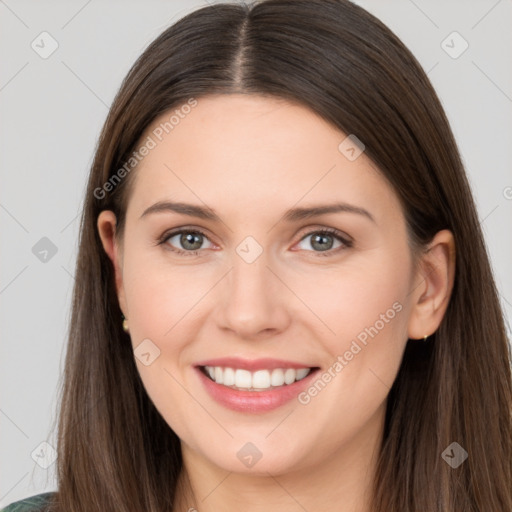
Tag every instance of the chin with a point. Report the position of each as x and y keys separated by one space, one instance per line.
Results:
x=258 y=458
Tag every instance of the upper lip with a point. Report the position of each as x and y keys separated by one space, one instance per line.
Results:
x=254 y=364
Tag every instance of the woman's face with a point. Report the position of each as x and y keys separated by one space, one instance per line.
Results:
x=263 y=285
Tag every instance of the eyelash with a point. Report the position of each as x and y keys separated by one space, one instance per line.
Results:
x=324 y=231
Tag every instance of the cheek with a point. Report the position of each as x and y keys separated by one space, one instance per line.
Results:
x=163 y=301
x=352 y=298
x=364 y=306
x=162 y=296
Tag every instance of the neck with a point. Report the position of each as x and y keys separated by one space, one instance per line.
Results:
x=342 y=481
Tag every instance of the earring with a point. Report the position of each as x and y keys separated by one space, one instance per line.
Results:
x=125 y=325
x=425 y=338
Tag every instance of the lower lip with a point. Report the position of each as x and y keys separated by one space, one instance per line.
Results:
x=254 y=401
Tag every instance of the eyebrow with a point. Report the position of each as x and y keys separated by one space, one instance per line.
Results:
x=292 y=215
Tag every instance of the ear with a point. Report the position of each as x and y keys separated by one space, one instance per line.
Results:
x=107 y=229
x=433 y=286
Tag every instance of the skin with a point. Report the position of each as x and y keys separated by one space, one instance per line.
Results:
x=251 y=158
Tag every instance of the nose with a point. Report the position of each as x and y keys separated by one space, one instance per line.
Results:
x=253 y=300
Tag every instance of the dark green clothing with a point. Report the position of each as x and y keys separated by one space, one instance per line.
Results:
x=33 y=504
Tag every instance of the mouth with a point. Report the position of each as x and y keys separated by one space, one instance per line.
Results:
x=257 y=381
x=254 y=386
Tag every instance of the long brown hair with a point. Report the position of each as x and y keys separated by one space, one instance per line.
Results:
x=115 y=451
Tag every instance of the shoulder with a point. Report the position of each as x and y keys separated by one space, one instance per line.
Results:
x=31 y=504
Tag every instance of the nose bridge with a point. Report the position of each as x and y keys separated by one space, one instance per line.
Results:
x=250 y=278
x=253 y=297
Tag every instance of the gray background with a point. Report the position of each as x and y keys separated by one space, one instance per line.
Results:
x=52 y=111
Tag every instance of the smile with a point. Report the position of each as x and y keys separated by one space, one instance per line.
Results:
x=254 y=386
x=260 y=380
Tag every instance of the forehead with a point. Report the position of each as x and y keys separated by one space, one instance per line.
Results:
x=251 y=153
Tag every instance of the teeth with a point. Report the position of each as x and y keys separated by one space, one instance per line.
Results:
x=258 y=380
x=303 y=372
x=289 y=376
x=228 y=378
x=277 y=378
x=243 y=378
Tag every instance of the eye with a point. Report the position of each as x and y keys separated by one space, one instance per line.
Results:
x=323 y=241
x=190 y=240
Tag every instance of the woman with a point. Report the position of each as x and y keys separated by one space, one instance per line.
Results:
x=283 y=299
